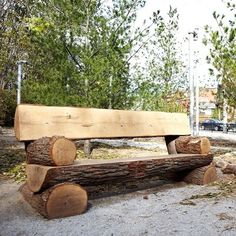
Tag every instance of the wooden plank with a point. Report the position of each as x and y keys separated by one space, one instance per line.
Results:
x=34 y=121
x=95 y=172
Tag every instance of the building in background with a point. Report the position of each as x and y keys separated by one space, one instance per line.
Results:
x=207 y=102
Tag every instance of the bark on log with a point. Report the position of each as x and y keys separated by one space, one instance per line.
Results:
x=51 y=151
x=229 y=169
x=188 y=144
x=201 y=176
x=94 y=172
x=61 y=200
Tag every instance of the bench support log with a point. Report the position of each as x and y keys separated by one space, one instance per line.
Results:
x=188 y=144
x=170 y=144
x=95 y=172
x=51 y=151
x=202 y=175
x=59 y=201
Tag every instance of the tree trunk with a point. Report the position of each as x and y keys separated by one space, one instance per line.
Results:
x=59 y=201
x=194 y=145
x=94 y=172
x=51 y=151
x=201 y=176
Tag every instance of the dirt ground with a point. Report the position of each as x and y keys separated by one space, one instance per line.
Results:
x=170 y=209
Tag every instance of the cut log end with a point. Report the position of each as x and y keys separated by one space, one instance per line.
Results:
x=62 y=200
x=63 y=152
x=66 y=200
x=193 y=145
x=205 y=145
x=51 y=151
x=201 y=176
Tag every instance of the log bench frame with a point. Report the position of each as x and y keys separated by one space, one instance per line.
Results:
x=33 y=122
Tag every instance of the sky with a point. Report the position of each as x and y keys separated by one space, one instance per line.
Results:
x=192 y=14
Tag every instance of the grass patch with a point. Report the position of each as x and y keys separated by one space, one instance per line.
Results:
x=12 y=164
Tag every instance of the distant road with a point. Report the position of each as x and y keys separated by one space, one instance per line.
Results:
x=218 y=135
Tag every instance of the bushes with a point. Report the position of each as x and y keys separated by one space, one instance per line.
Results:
x=7 y=107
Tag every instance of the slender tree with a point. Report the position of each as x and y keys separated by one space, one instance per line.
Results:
x=163 y=83
x=222 y=43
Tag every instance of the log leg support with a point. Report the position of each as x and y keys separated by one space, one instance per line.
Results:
x=59 y=201
x=88 y=147
x=201 y=176
x=170 y=144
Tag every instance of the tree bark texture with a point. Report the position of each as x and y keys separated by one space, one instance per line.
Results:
x=51 y=151
x=62 y=200
x=194 y=145
x=95 y=172
x=202 y=175
x=230 y=169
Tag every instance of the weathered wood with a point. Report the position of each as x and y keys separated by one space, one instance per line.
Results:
x=94 y=172
x=194 y=145
x=170 y=144
x=33 y=122
x=229 y=169
x=59 y=201
x=202 y=175
x=51 y=151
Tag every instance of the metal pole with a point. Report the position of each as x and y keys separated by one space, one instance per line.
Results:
x=110 y=92
x=225 y=115
x=191 y=86
x=19 y=76
x=197 y=106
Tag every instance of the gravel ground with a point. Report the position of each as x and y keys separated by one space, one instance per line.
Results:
x=165 y=212
x=174 y=209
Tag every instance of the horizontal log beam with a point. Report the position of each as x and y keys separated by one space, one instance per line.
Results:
x=95 y=172
x=33 y=122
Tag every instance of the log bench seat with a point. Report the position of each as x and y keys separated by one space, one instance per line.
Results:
x=59 y=186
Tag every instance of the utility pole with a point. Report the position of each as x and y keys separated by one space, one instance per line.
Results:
x=191 y=35
x=19 y=78
x=197 y=107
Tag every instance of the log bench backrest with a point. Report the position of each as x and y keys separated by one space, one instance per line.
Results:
x=35 y=121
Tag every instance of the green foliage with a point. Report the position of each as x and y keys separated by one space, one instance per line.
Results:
x=13 y=39
x=81 y=54
x=12 y=164
x=222 y=44
x=7 y=107
x=162 y=81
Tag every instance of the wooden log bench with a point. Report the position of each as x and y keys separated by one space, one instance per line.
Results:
x=58 y=185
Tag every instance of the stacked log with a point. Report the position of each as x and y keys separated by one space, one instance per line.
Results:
x=201 y=176
x=56 y=183
x=96 y=172
x=60 y=200
x=51 y=151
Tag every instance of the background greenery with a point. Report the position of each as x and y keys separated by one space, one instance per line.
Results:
x=88 y=53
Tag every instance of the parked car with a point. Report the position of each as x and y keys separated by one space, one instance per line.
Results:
x=231 y=126
x=212 y=124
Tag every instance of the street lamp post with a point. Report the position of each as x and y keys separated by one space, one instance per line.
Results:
x=191 y=81
x=191 y=35
x=19 y=78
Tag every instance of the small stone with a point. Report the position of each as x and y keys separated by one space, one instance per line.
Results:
x=145 y=197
